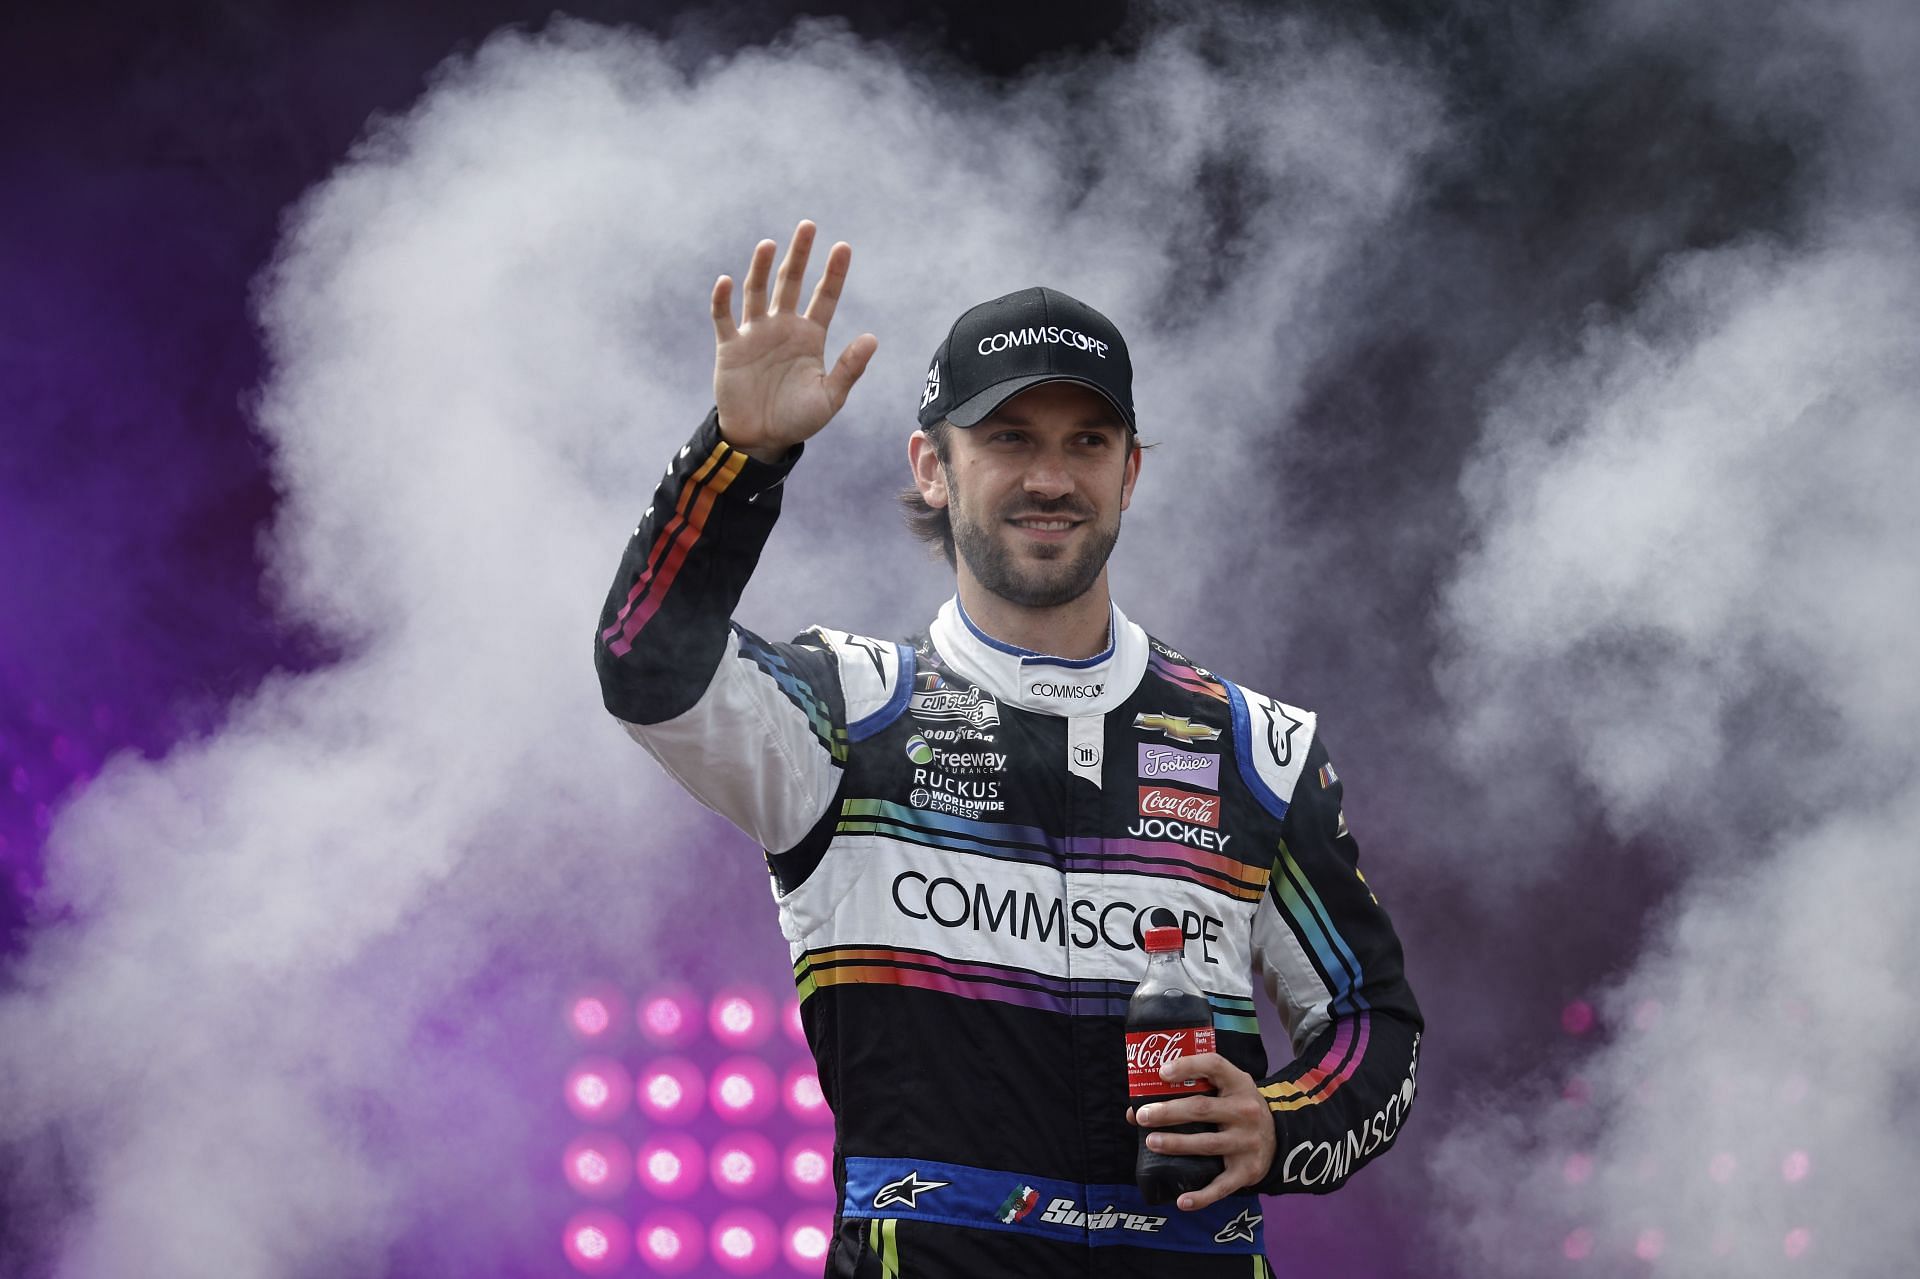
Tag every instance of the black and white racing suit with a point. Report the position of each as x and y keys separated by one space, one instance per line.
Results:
x=964 y=839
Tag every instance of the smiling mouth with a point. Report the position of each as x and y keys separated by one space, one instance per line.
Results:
x=1043 y=524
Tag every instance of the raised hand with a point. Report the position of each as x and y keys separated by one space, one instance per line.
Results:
x=769 y=380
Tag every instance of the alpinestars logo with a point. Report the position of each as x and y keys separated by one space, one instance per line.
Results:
x=1280 y=740
x=932 y=392
x=905 y=1191
x=1240 y=1229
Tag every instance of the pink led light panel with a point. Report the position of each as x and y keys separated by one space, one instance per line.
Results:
x=596 y=1242
x=671 y=1166
x=670 y=1090
x=740 y=1018
x=597 y=1089
x=1798 y=1240
x=1650 y=1244
x=743 y=1166
x=800 y=1091
x=669 y=1242
x=805 y=1239
x=742 y=1241
x=741 y=1089
x=1578 y=1245
x=808 y=1168
x=597 y=1165
x=1795 y=1166
x=594 y=1011
x=669 y=1016
x=590 y=1016
x=1577 y=1017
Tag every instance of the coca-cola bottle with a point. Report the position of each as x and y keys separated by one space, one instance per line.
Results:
x=1167 y=1017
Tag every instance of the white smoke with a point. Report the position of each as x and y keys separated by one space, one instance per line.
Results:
x=1697 y=580
x=266 y=1045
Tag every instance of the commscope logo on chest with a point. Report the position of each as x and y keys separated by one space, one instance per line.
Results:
x=1171 y=764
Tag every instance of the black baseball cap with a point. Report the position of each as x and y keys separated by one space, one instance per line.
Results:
x=1000 y=348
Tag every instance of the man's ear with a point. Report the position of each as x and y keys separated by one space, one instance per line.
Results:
x=928 y=475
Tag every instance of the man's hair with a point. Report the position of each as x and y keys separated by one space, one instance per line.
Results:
x=932 y=524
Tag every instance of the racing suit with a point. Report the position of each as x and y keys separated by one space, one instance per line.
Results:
x=965 y=839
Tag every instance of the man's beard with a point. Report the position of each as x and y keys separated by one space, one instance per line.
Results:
x=1060 y=581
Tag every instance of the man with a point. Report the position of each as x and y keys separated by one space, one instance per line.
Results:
x=966 y=834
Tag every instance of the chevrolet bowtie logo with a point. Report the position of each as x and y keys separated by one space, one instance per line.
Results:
x=1178 y=727
x=1240 y=1228
x=905 y=1190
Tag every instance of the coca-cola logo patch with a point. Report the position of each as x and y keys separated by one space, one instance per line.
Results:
x=1180 y=805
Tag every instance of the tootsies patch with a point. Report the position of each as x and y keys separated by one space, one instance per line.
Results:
x=1171 y=764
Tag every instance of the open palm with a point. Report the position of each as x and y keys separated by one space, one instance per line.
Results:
x=769 y=378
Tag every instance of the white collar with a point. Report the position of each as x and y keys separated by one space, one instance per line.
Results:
x=1039 y=682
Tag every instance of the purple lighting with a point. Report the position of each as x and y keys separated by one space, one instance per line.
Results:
x=595 y=1242
x=800 y=1090
x=740 y=1018
x=1795 y=1166
x=1577 y=1017
x=669 y=1242
x=742 y=1241
x=597 y=1165
x=1578 y=1245
x=598 y=1089
x=742 y=1090
x=742 y=1165
x=1651 y=1243
x=790 y=1018
x=805 y=1239
x=667 y=1017
x=670 y=1089
x=1798 y=1240
x=670 y=1166
x=808 y=1167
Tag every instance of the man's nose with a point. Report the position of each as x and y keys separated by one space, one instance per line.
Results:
x=1049 y=478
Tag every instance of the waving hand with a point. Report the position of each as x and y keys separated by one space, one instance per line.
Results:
x=769 y=379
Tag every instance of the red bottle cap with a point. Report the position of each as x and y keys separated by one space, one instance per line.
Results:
x=1158 y=940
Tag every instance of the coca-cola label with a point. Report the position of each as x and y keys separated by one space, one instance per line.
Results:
x=1148 y=1050
x=1180 y=805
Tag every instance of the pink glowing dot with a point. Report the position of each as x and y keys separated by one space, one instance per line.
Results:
x=1722 y=1167
x=664 y=1166
x=796 y=1029
x=736 y=1092
x=591 y=1243
x=809 y=1242
x=592 y=1167
x=1646 y=1014
x=1578 y=1245
x=1650 y=1244
x=590 y=1016
x=809 y=1167
x=664 y=1092
x=1577 y=1017
x=1798 y=1240
x=663 y=1242
x=1796 y=1166
x=806 y=1093
x=664 y=1017
x=591 y=1091
x=738 y=1167
x=1577 y=1169
x=738 y=1242
x=1577 y=1091
x=736 y=1016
